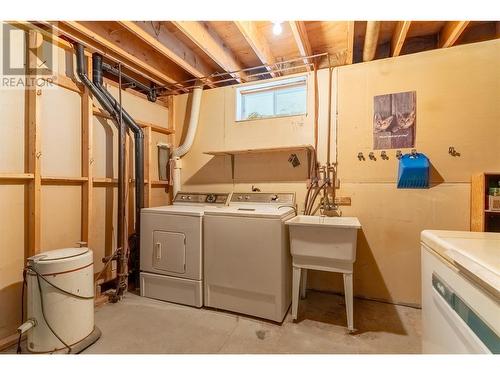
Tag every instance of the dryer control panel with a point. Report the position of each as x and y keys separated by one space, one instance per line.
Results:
x=268 y=198
x=219 y=199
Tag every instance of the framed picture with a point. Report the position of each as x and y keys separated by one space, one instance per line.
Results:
x=394 y=120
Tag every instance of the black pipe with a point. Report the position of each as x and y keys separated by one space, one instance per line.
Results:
x=97 y=79
x=102 y=99
x=150 y=91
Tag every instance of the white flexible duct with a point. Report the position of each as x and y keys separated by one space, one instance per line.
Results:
x=183 y=149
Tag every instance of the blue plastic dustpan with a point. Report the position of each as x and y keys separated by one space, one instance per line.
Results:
x=413 y=171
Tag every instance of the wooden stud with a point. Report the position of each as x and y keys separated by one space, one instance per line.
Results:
x=129 y=191
x=147 y=166
x=371 y=40
x=301 y=40
x=16 y=176
x=257 y=42
x=87 y=188
x=60 y=180
x=350 y=42
x=210 y=43
x=450 y=33
x=399 y=37
x=33 y=98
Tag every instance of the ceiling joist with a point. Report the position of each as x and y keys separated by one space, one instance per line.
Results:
x=398 y=39
x=350 y=42
x=451 y=32
x=301 y=40
x=257 y=42
x=169 y=46
x=139 y=59
x=210 y=43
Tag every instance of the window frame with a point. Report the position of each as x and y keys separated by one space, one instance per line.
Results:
x=272 y=86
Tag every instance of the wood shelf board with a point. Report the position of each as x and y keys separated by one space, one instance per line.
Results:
x=260 y=150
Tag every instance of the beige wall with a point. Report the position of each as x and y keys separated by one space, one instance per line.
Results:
x=458 y=91
x=61 y=156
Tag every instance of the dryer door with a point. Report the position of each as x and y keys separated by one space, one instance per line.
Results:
x=169 y=251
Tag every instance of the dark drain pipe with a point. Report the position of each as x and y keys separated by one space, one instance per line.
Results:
x=101 y=98
x=97 y=79
x=133 y=83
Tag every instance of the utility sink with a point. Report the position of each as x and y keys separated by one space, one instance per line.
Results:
x=325 y=244
x=322 y=237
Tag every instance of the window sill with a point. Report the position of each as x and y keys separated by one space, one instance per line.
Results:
x=271 y=117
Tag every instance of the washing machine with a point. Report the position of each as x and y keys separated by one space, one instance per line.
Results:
x=460 y=292
x=247 y=256
x=171 y=260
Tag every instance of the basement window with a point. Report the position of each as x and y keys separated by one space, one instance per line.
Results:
x=286 y=97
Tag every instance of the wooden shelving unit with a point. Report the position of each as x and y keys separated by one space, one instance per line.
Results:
x=308 y=148
x=483 y=219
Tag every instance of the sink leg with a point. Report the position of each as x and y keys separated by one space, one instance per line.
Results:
x=295 y=291
x=349 y=300
x=303 y=283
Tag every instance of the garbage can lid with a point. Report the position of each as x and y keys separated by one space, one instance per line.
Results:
x=62 y=260
x=69 y=252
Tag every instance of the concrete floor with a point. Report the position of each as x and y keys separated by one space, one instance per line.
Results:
x=141 y=325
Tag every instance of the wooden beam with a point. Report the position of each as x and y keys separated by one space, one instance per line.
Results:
x=450 y=33
x=169 y=46
x=147 y=166
x=87 y=160
x=16 y=176
x=33 y=115
x=371 y=40
x=301 y=40
x=159 y=129
x=399 y=36
x=120 y=48
x=350 y=42
x=257 y=42
x=210 y=43
x=63 y=180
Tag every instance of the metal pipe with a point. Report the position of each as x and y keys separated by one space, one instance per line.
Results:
x=138 y=140
x=214 y=75
x=139 y=86
x=101 y=98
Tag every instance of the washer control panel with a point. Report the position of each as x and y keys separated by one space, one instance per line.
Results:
x=220 y=199
x=269 y=198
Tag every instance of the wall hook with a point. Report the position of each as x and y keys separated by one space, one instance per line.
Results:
x=383 y=155
x=399 y=154
x=452 y=151
x=371 y=155
x=361 y=157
